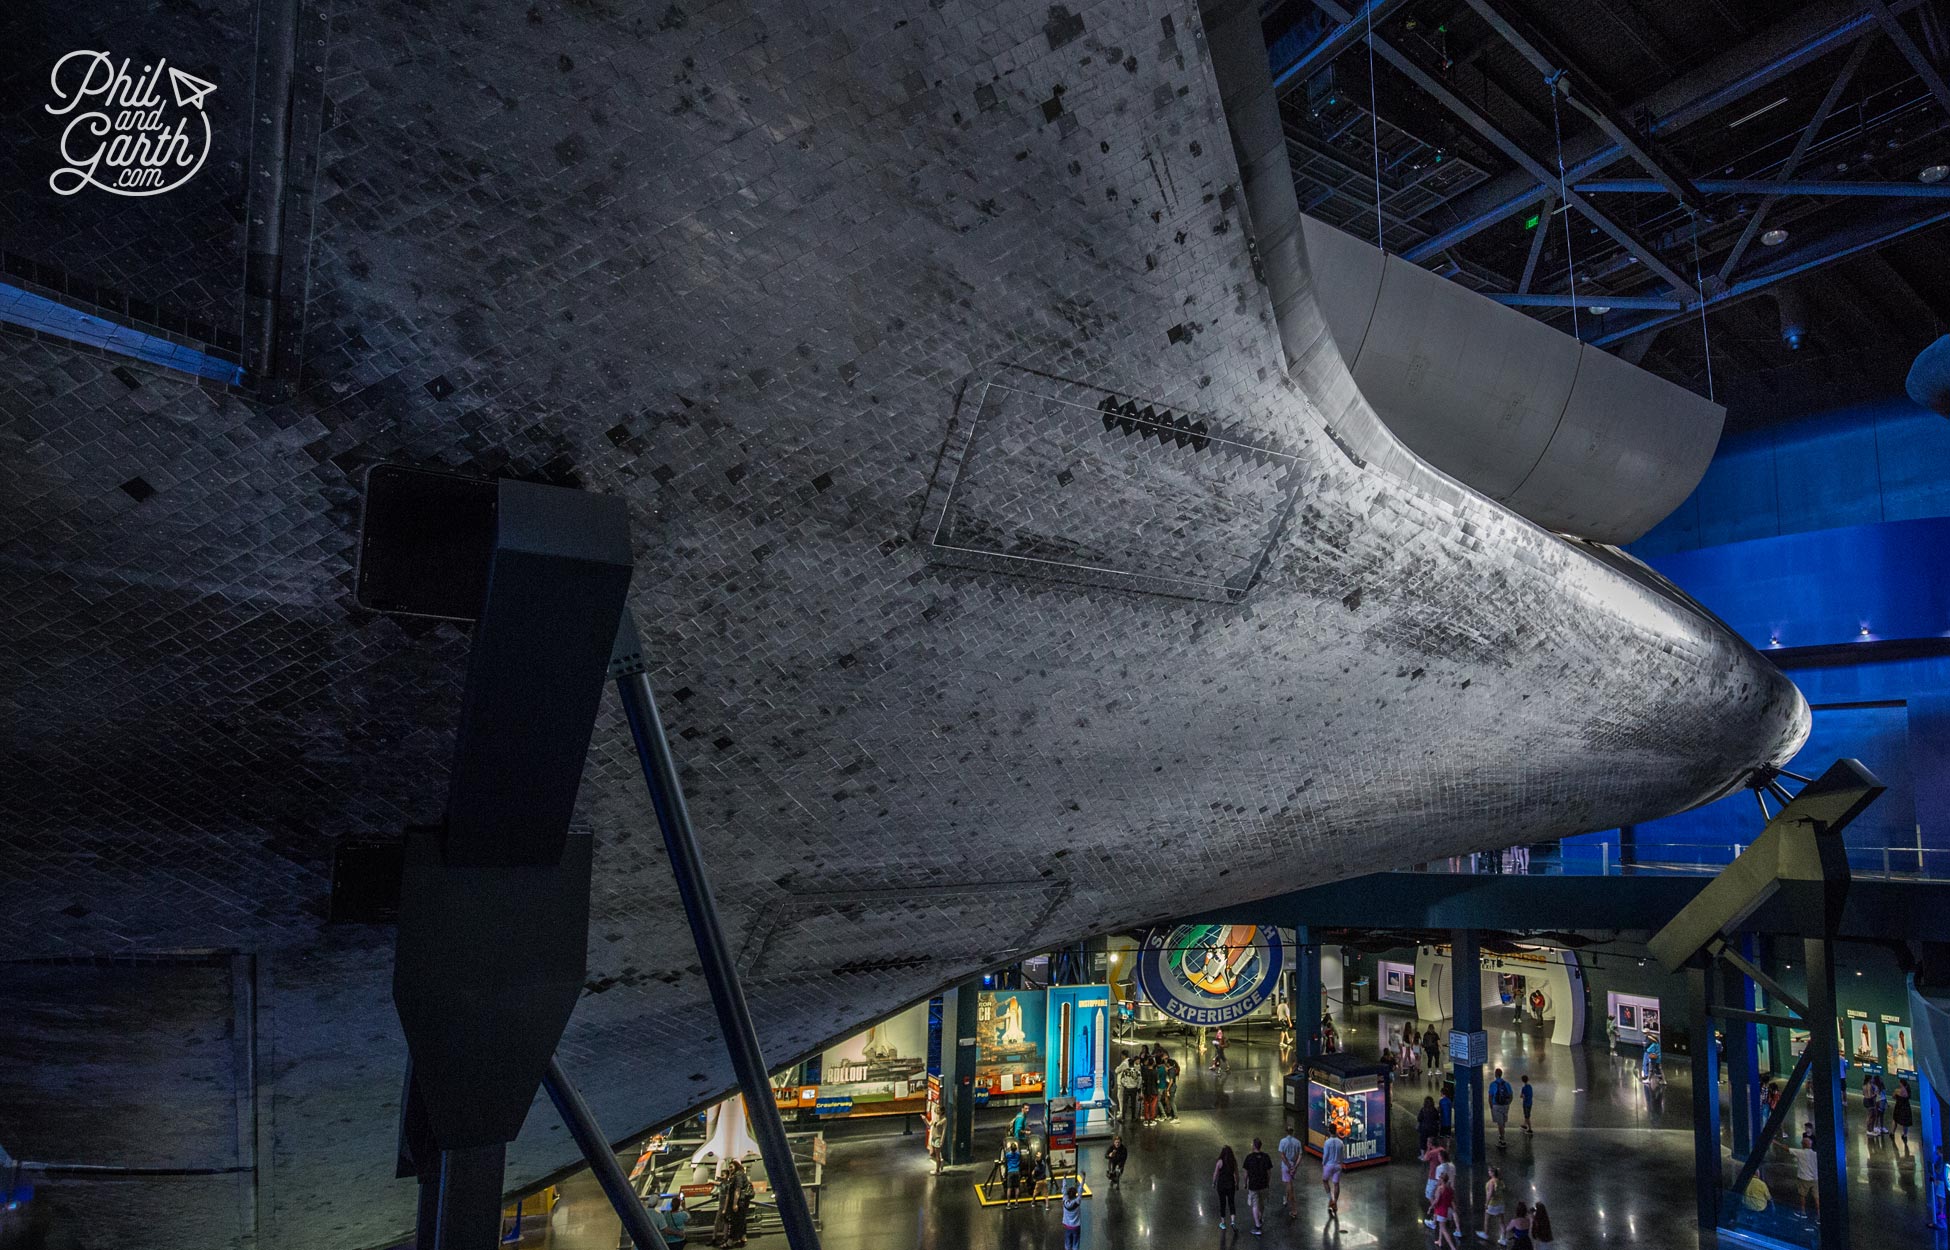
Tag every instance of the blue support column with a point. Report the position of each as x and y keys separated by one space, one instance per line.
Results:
x=1467 y=1037
x=1742 y=1053
x=962 y=1124
x=1307 y=996
x=1930 y=1102
x=1825 y=1082
x=1708 y=1174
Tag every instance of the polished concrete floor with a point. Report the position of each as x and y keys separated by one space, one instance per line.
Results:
x=1611 y=1157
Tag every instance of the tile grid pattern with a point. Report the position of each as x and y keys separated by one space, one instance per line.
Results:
x=735 y=262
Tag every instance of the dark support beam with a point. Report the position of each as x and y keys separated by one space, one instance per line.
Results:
x=1748 y=1016
x=967 y=1023
x=1347 y=35
x=1811 y=32
x=1579 y=87
x=1825 y=1077
x=1760 y=978
x=1743 y=1071
x=1763 y=186
x=1817 y=255
x=707 y=931
x=581 y=1123
x=1491 y=132
x=1466 y=992
x=1792 y=165
x=1521 y=299
x=1307 y=996
x=1707 y=1174
x=1544 y=213
x=1770 y=1131
x=1914 y=55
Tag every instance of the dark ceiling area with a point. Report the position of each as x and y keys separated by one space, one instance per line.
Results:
x=1783 y=165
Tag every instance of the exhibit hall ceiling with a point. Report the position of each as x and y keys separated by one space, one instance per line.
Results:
x=1000 y=585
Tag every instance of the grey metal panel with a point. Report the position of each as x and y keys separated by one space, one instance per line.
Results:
x=1565 y=434
x=1472 y=387
x=1347 y=282
x=1629 y=450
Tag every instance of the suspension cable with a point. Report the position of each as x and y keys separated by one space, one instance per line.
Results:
x=1374 y=132
x=1564 y=198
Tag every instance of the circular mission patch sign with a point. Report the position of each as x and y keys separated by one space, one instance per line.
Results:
x=1210 y=973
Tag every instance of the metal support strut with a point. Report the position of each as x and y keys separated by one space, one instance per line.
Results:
x=602 y=1160
x=720 y=972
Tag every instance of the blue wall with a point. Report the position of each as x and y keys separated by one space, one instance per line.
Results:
x=1801 y=536
x=1883 y=461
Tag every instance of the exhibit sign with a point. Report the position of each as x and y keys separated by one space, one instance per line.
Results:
x=1063 y=1136
x=1356 y=1112
x=1210 y=974
x=1010 y=1030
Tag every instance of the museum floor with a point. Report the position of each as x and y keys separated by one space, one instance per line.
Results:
x=1611 y=1158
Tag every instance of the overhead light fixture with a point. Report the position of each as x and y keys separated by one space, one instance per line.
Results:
x=1774 y=237
x=1599 y=310
x=1934 y=173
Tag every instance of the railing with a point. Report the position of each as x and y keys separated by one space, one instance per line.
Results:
x=1603 y=859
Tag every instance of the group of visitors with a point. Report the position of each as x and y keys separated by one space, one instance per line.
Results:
x=1147 y=1085
x=1884 y=1109
x=1257 y=1172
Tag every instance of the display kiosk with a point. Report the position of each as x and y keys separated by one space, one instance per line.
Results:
x=1341 y=1096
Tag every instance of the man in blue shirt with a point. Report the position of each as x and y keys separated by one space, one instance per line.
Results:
x=1524 y=1096
x=1011 y=1171
x=1500 y=1099
x=1448 y=1109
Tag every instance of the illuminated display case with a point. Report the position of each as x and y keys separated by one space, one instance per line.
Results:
x=1341 y=1096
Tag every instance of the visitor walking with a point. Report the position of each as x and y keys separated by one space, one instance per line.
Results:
x=1168 y=1071
x=1443 y=1211
x=1871 y=1103
x=1411 y=1061
x=1130 y=1083
x=1432 y=1050
x=1611 y=1033
x=1428 y=1126
x=1225 y=1182
x=1434 y=1158
x=1501 y=1096
x=1650 y=1063
x=1114 y=1159
x=1495 y=1193
x=1219 y=1061
x=1259 y=1178
x=1448 y=1109
x=1333 y=1154
x=1524 y=1096
x=1039 y=1177
x=1011 y=1170
x=1291 y=1151
x=937 y=1137
x=1072 y=1216
x=1900 y=1110
x=1148 y=1086
x=1016 y=1125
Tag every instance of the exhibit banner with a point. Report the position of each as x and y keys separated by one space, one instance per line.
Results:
x=1080 y=1057
x=1210 y=974
x=1010 y=1026
x=882 y=1071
